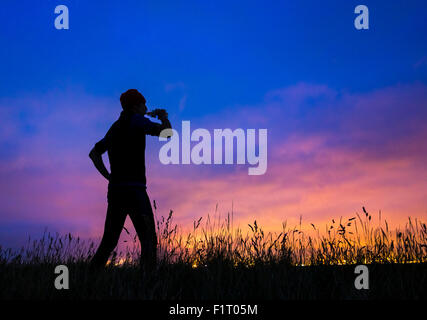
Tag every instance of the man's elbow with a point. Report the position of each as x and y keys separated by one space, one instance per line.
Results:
x=93 y=154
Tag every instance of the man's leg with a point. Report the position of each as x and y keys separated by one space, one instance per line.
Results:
x=113 y=227
x=143 y=220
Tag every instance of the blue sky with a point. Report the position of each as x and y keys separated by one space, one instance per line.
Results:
x=224 y=52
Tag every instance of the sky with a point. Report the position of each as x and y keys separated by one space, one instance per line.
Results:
x=345 y=109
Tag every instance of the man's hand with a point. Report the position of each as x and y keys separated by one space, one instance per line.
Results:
x=165 y=129
x=99 y=164
x=159 y=113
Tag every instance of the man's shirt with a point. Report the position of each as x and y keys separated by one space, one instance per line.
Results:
x=125 y=143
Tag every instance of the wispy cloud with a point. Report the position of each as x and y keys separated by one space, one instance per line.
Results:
x=173 y=86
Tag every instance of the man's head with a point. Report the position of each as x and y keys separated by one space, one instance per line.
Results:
x=133 y=101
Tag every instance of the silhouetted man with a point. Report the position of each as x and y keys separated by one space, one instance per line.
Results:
x=125 y=143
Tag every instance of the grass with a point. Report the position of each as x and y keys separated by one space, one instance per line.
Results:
x=217 y=261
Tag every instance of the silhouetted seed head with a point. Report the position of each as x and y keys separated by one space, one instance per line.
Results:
x=364 y=210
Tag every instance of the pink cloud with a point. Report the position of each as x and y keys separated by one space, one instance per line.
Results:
x=366 y=150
